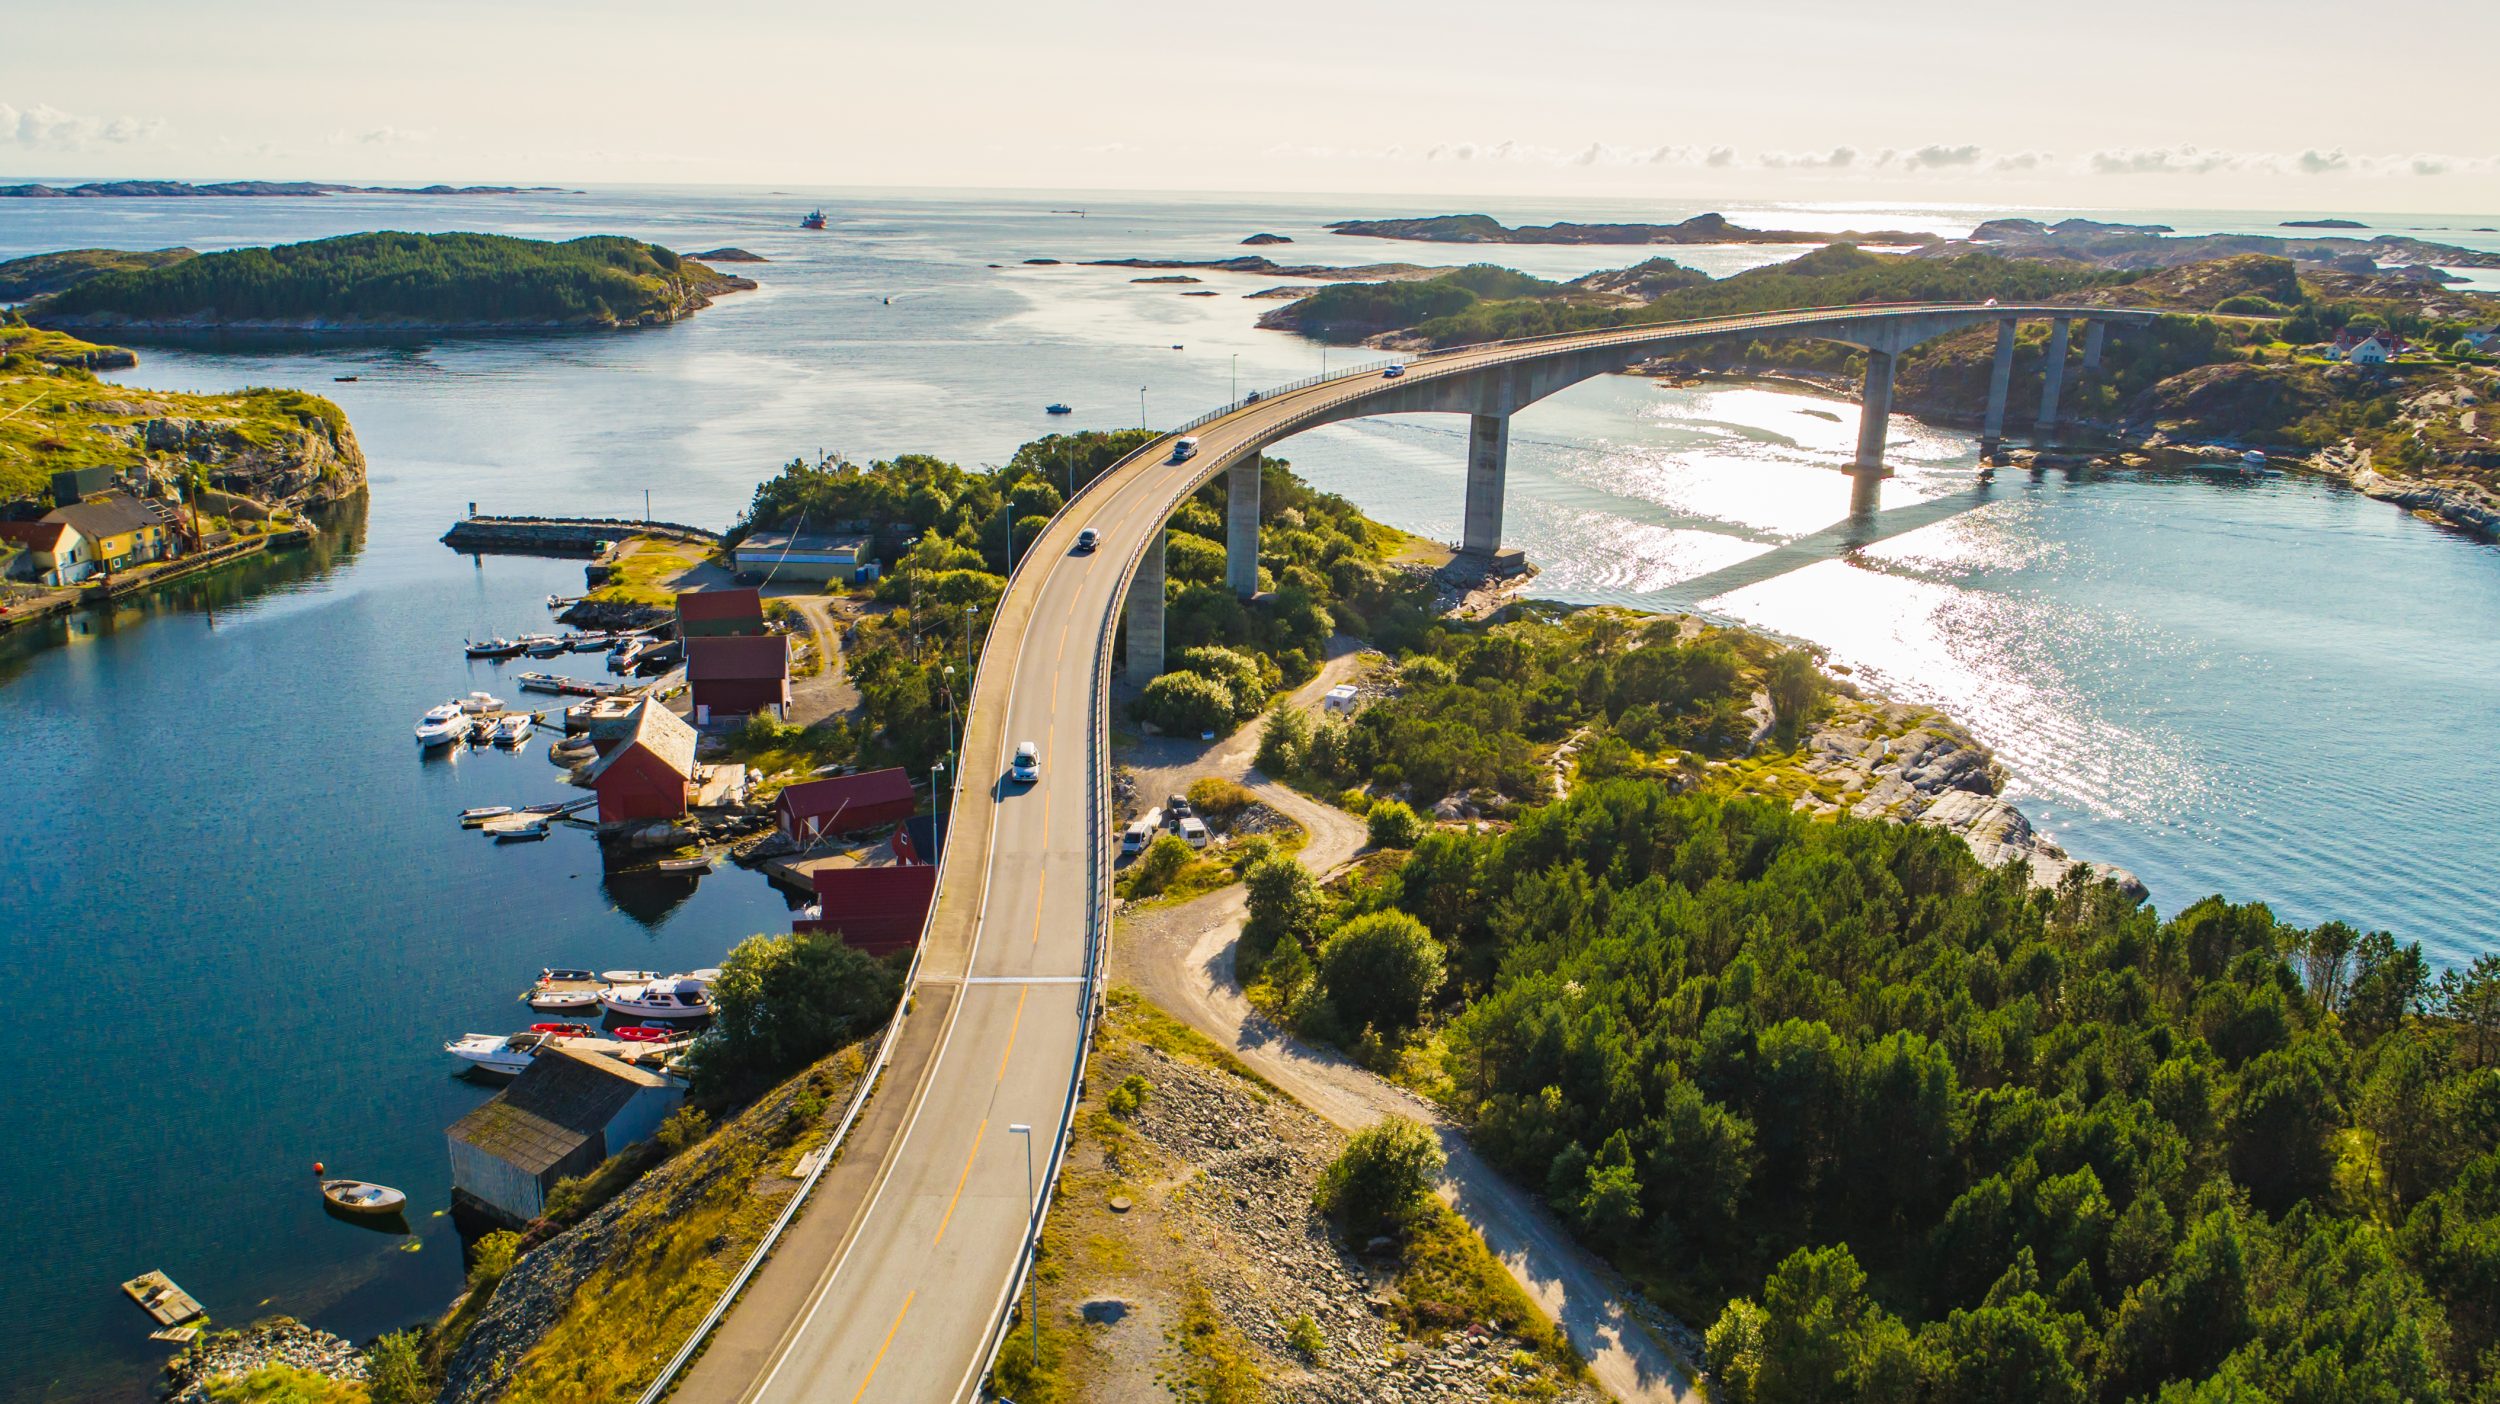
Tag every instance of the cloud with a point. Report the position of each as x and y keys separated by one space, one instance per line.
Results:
x=2184 y=160
x=1720 y=156
x=46 y=127
x=1933 y=158
x=2315 y=162
x=1838 y=158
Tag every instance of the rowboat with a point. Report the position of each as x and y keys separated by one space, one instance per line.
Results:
x=628 y=977
x=685 y=865
x=557 y=1001
x=644 y=1033
x=363 y=1197
x=471 y=818
x=562 y=1030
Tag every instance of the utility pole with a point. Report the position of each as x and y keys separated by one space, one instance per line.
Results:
x=1236 y=378
x=1141 y=407
x=1033 y=1238
x=646 y=506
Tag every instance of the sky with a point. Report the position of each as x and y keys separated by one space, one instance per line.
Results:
x=2324 y=104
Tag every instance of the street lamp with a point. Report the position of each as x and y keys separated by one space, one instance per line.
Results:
x=950 y=710
x=1236 y=377
x=1032 y=1234
x=937 y=788
x=969 y=611
x=1141 y=407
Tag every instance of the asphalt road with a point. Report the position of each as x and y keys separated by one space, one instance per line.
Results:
x=893 y=1281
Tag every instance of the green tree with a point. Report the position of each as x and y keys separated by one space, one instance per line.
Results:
x=1379 y=970
x=491 y=1258
x=783 y=1002
x=395 y=1372
x=1284 y=905
x=1158 y=865
x=1796 y=688
x=1395 y=824
x=1186 y=704
x=1376 y=1183
x=1286 y=743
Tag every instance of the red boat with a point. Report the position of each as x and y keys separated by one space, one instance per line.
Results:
x=563 y=1030
x=644 y=1033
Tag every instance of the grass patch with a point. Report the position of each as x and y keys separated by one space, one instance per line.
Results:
x=1449 y=1278
x=642 y=574
x=284 y=1384
x=1218 y=1363
x=1129 y=1016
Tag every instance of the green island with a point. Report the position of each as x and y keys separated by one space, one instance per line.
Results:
x=39 y=275
x=387 y=282
x=1700 y=229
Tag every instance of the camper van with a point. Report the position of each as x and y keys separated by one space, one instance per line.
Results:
x=1194 y=833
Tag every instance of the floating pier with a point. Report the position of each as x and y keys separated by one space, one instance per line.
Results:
x=172 y=1307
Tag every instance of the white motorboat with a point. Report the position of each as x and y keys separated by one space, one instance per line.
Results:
x=516 y=829
x=629 y=977
x=512 y=729
x=677 y=997
x=557 y=1001
x=507 y=1054
x=440 y=726
x=471 y=818
x=477 y=703
x=541 y=645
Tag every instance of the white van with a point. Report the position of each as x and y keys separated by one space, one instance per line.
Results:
x=1184 y=447
x=1142 y=832
x=1194 y=833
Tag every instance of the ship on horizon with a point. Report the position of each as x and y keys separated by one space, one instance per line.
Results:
x=815 y=220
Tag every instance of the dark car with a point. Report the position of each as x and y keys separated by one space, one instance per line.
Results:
x=1175 y=809
x=1087 y=540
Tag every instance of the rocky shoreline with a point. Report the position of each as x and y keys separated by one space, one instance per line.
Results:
x=280 y=1340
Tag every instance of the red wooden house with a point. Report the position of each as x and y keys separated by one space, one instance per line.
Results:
x=880 y=909
x=738 y=675
x=814 y=808
x=649 y=773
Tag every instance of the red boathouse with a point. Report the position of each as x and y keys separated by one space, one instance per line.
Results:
x=736 y=675
x=649 y=772
x=846 y=804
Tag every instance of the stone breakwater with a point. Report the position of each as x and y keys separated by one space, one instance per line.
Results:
x=1887 y=760
x=280 y=1340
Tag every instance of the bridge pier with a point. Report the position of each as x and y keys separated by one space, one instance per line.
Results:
x=1867 y=474
x=2053 y=373
x=1241 y=527
x=1488 y=463
x=2092 y=332
x=2000 y=380
x=1144 y=614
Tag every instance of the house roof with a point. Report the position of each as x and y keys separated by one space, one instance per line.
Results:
x=817 y=798
x=737 y=658
x=36 y=536
x=807 y=544
x=741 y=603
x=655 y=729
x=563 y=1098
x=105 y=516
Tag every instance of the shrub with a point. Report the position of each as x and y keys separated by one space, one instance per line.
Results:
x=1185 y=704
x=1239 y=673
x=1158 y=865
x=784 y=1002
x=1304 y=1335
x=684 y=1127
x=393 y=1372
x=1354 y=801
x=1215 y=797
x=1395 y=824
x=1284 y=905
x=492 y=1258
x=1380 y=969
x=1126 y=1099
x=1376 y=1182
x=1796 y=688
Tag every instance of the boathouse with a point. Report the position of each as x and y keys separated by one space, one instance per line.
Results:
x=738 y=676
x=649 y=771
x=781 y=555
x=845 y=804
x=880 y=906
x=714 y=613
x=566 y=1112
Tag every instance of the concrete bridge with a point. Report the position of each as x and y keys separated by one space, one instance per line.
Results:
x=1491 y=382
x=897 y=1279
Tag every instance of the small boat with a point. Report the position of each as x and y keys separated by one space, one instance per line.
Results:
x=363 y=1197
x=507 y=1054
x=708 y=975
x=512 y=729
x=542 y=645
x=558 y=1001
x=1057 y=409
x=563 y=601
x=545 y=976
x=621 y=659
x=685 y=865
x=644 y=1033
x=628 y=977
x=678 y=997
x=493 y=648
x=471 y=818
x=523 y=831
x=481 y=702
x=563 y=1030
x=344 y=379
x=814 y=219
x=440 y=726
x=587 y=643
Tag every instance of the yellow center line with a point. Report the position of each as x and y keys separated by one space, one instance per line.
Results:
x=959 y=1185
x=883 y=1346
x=1012 y=1029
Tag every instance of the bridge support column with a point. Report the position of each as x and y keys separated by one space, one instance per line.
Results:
x=2053 y=373
x=2000 y=380
x=1145 y=617
x=1488 y=461
x=1241 y=527
x=2092 y=332
x=1867 y=474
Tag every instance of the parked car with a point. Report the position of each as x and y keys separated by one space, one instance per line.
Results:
x=1087 y=540
x=1176 y=808
x=1194 y=833
x=1141 y=833
x=1027 y=766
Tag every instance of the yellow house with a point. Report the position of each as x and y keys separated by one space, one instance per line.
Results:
x=119 y=531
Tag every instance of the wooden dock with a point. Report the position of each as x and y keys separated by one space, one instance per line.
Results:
x=157 y=1295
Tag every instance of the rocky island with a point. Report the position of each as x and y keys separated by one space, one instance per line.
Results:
x=249 y=189
x=390 y=283
x=41 y=275
x=247 y=455
x=1700 y=229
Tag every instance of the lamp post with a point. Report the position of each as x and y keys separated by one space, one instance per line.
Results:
x=950 y=711
x=1236 y=377
x=1141 y=406
x=937 y=788
x=1032 y=1236
x=970 y=610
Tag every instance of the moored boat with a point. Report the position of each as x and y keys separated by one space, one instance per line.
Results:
x=363 y=1197
x=480 y=703
x=512 y=729
x=1057 y=409
x=517 y=830
x=644 y=1033
x=678 y=997
x=471 y=818
x=629 y=977
x=440 y=726
x=557 y=1001
x=493 y=648
x=542 y=645
x=507 y=1054
x=685 y=865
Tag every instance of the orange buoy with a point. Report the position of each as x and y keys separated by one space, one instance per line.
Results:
x=316 y=1167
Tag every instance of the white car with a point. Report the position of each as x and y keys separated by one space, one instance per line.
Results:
x=1027 y=766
